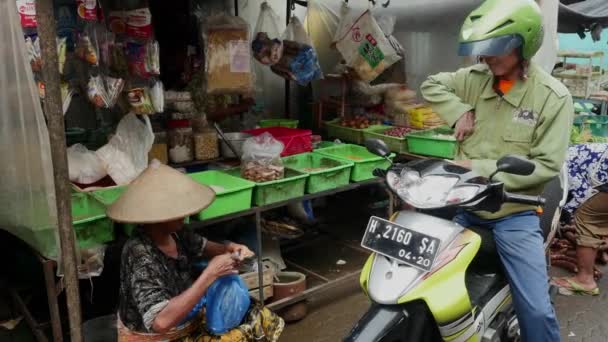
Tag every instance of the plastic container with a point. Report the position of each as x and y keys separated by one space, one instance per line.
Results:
x=295 y=140
x=279 y=123
x=89 y=220
x=364 y=161
x=237 y=139
x=206 y=145
x=347 y=134
x=398 y=145
x=597 y=124
x=291 y=186
x=324 y=172
x=159 y=149
x=180 y=141
x=428 y=144
x=233 y=194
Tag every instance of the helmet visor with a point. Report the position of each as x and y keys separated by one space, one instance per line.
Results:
x=496 y=46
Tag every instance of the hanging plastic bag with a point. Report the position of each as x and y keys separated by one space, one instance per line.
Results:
x=227 y=56
x=321 y=23
x=125 y=156
x=261 y=160
x=365 y=48
x=84 y=166
x=227 y=304
x=267 y=83
x=157 y=95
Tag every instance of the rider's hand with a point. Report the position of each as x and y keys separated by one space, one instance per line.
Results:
x=221 y=265
x=465 y=126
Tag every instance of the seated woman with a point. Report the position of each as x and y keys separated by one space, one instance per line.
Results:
x=159 y=286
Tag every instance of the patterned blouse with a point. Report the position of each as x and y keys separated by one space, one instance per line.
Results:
x=149 y=278
x=586 y=162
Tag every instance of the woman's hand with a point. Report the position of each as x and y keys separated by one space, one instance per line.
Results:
x=221 y=265
x=239 y=250
x=465 y=126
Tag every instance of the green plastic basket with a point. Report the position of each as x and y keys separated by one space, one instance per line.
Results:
x=89 y=220
x=279 y=123
x=346 y=134
x=233 y=194
x=426 y=143
x=324 y=144
x=324 y=172
x=291 y=186
x=108 y=195
x=598 y=124
x=364 y=161
x=398 y=145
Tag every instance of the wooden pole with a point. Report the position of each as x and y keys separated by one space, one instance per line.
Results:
x=54 y=113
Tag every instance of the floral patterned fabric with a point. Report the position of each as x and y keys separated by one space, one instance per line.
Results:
x=586 y=163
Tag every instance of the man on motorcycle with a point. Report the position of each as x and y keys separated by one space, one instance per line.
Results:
x=508 y=105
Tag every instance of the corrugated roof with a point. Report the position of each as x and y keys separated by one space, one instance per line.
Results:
x=583 y=13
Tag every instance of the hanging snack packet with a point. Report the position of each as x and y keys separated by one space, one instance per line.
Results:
x=228 y=59
x=27 y=12
x=118 y=59
x=32 y=47
x=139 y=23
x=85 y=50
x=365 y=47
x=66 y=96
x=87 y=9
x=96 y=92
x=152 y=58
x=62 y=48
x=117 y=22
x=139 y=100
x=114 y=88
x=157 y=95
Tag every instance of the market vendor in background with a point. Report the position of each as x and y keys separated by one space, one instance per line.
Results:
x=291 y=60
x=159 y=286
x=588 y=187
x=508 y=105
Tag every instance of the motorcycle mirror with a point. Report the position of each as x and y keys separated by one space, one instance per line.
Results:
x=514 y=165
x=377 y=147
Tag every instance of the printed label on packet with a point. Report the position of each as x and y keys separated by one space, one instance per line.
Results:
x=240 y=58
x=139 y=23
x=27 y=12
x=370 y=51
x=87 y=9
x=117 y=22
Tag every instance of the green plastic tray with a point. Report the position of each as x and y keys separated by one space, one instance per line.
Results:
x=364 y=161
x=324 y=144
x=334 y=173
x=346 y=134
x=424 y=143
x=279 y=123
x=398 y=145
x=108 y=195
x=233 y=195
x=598 y=124
x=291 y=186
x=89 y=220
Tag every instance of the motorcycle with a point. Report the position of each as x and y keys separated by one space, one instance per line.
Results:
x=430 y=279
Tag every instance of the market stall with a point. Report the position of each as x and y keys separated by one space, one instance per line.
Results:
x=183 y=88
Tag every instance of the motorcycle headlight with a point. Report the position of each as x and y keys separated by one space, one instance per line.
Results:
x=433 y=191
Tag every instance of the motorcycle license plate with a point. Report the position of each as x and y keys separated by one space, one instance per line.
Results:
x=400 y=243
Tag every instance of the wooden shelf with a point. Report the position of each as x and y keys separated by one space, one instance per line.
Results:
x=580 y=54
x=195 y=163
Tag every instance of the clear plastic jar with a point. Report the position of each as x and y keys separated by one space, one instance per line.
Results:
x=159 y=149
x=206 y=145
x=180 y=141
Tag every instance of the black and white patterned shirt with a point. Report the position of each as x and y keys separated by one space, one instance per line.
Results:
x=149 y=279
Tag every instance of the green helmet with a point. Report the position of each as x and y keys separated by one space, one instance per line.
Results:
x=498 y=26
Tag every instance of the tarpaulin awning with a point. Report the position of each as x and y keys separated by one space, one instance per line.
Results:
x=581 y=16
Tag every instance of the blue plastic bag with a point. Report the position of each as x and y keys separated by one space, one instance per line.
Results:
x=227 y=303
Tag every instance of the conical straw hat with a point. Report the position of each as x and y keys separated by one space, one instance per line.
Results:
x=160 y=194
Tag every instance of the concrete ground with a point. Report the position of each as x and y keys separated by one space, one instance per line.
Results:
x=330 y=318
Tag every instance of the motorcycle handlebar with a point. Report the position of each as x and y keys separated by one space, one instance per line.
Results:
x=524 y=199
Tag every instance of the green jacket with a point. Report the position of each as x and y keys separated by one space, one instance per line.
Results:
x=533 y=120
